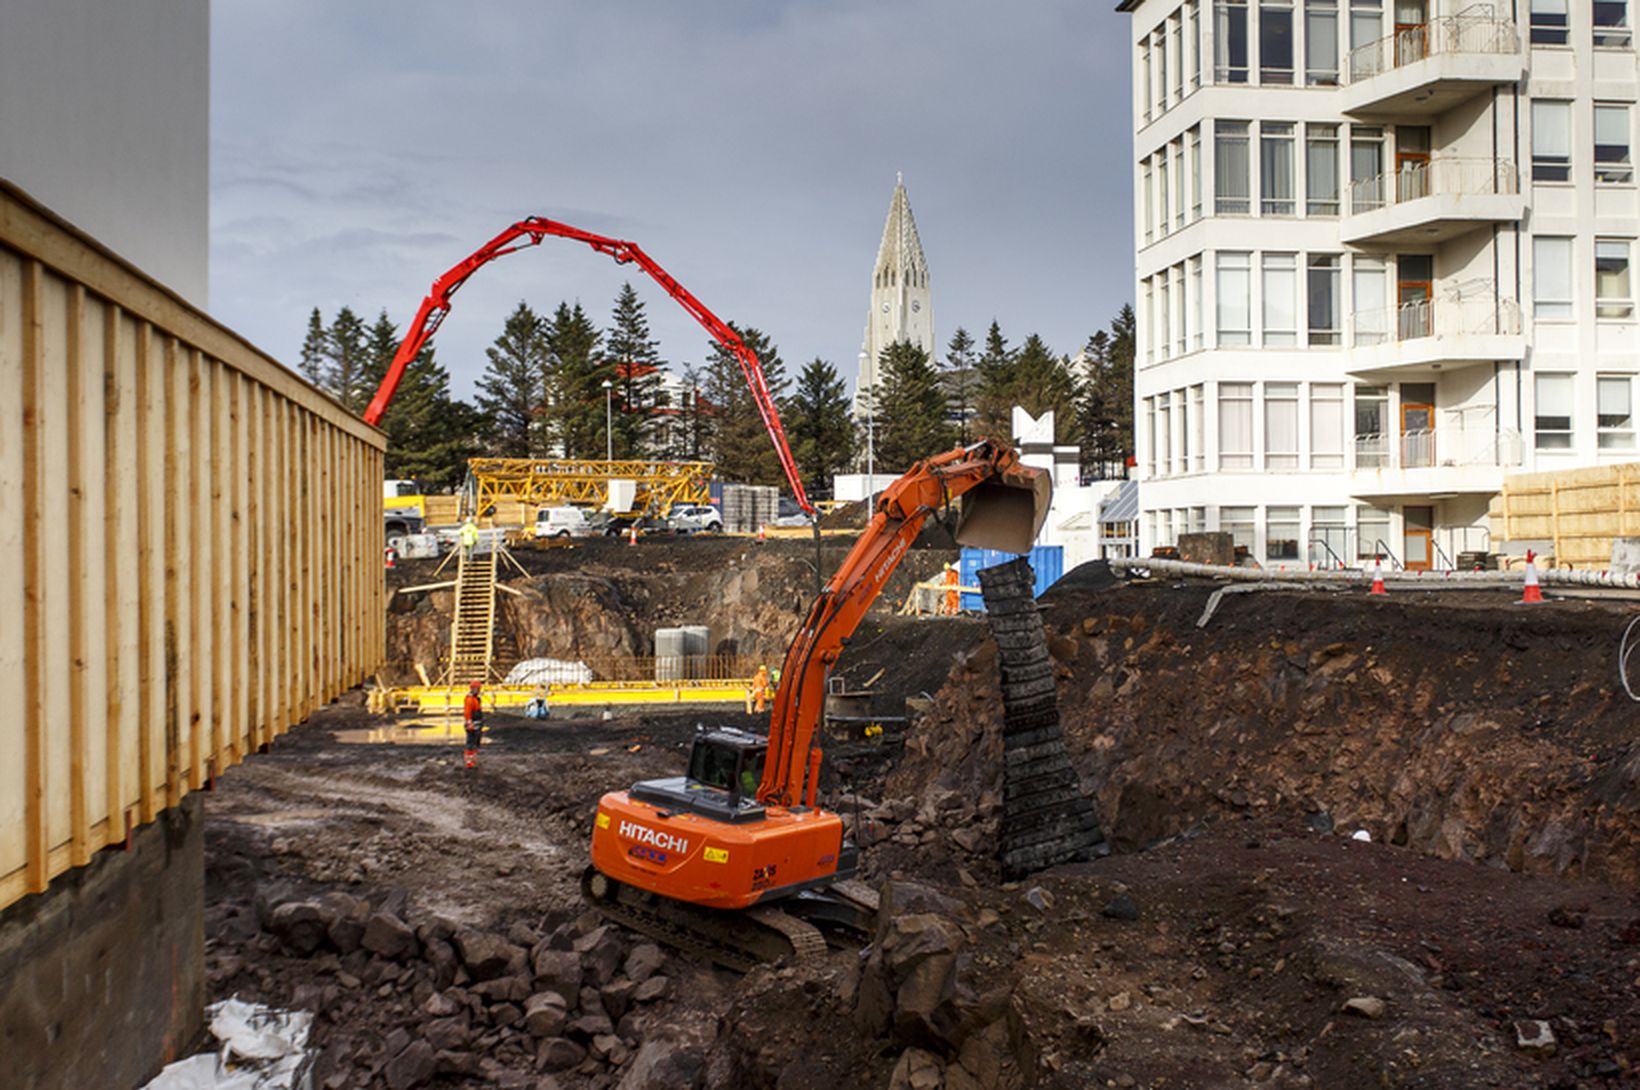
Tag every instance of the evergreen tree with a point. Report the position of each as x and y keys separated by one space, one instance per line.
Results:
x=429 y=436
x=512 y=392
x=961 y=380
x=346 y=361
x=1123 y=343
x=692 y=436
x=910 y=417
x=314 y=350
x=575 y=386
x=994 y=405
x=636 y=358
x=819 y=426
x=1093 y=410
x=736 y=438
x=1042 y=383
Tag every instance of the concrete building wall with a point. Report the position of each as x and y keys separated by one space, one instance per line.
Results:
x=104 y=118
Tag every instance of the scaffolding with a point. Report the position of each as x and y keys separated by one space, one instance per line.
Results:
x=545 y=482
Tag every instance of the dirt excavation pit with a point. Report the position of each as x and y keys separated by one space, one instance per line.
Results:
x=1486 y=935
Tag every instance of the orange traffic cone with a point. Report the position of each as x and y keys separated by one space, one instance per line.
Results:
x=1532 y=593
x=632 y=535
x=1377 y=576
x=470 y=757
x=392 y=557
x=761 y=536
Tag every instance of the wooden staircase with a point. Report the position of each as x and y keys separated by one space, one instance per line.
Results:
x=472 y=631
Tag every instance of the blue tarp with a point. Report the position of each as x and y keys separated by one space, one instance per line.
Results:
x=1047 y=561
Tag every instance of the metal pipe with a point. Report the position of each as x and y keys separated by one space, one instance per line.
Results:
x=1432 y=580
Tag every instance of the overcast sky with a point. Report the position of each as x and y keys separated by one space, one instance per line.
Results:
x=362 y=147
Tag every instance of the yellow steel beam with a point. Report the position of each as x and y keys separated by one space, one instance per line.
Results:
x=435 y=699
x=546 y=481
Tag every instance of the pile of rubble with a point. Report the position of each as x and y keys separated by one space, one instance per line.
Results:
x=512 y=1009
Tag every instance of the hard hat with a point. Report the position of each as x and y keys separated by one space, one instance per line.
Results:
x=475 y=686
x=948 y=567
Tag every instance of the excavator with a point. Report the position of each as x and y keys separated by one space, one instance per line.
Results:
x=735 y=860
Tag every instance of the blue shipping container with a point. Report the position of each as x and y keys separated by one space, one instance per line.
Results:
x=1047 y=561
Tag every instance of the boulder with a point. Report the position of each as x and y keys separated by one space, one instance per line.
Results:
x=663 y=1064
x=441 y=957
x=345 y=920
x=389 y=936
x=503 y=989
x=591 y=1025
x=917 y=1070
x=616 y=996
x=652 y=989
x=299 y=926
x=456 y=1063
x=559 y=971
x=645 y=960
x=545 y=1014
x=487 y=956
x=447 y=1033
x=558 y=1054
x=412 y=1067
x=600 y=951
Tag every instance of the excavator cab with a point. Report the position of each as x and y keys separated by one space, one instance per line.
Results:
x=725 y=765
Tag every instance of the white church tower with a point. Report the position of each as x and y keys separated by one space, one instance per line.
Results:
x=902 y=308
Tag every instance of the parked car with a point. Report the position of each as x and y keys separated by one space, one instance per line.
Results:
x=693 y=517
x=564 y=522
x=789 y=514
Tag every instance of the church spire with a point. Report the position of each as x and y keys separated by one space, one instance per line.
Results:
x=901 y=302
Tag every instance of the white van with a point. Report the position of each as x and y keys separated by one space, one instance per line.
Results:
x=563 y=522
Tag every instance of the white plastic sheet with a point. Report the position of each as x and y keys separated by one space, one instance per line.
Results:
x=262 y=1049
x=549 y=672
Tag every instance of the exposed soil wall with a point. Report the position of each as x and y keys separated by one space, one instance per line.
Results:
x=1460 y=725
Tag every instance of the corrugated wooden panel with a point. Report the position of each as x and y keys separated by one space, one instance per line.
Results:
x=197 y=539
x=1578 y=511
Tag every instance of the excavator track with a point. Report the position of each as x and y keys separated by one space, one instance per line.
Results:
x=739 y=941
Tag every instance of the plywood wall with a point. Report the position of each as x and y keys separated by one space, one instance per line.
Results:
x=193 y=545
x=1576 y=512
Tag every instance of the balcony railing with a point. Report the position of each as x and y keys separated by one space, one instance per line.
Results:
x=1434 y=177
x=1476 y=315
x=1446 y=445
x=1452 y=34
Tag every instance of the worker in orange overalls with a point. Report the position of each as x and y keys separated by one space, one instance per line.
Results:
x=472 y=712
x=953 y=597
x=757 y=697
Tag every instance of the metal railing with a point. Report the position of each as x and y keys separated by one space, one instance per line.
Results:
x=1432 y=317
x=1447 y=445
x=1452 y=34
x=1457 y=176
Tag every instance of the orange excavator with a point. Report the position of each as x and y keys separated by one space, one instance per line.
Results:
x=735 y=859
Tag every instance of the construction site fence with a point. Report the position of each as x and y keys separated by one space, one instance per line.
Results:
x=1429 y=580
x=1574 y=514
x=198 y=536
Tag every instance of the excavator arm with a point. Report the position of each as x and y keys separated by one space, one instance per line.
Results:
x=1005 y=503
x=529 y=232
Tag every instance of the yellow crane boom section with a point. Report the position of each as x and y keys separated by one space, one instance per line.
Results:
x=550 y=481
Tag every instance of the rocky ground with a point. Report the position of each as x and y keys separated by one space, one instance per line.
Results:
x=1487 y=935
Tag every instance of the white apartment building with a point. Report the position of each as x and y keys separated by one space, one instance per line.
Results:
x=1383 y=258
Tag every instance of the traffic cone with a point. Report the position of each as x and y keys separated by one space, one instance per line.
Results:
x=470 y=757
x=632 y=535
x=1377 y=576
x=761 y=536
x=1532 y=593
x=392 y=557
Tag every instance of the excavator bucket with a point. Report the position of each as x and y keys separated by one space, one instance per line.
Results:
x=1007 y=511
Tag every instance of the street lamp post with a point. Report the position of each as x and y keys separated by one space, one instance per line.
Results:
x=609 y=421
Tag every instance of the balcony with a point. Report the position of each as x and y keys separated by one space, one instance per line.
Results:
x=1426 y=70
x=1432 y=201
x=1429 y=334
x=1448 y=460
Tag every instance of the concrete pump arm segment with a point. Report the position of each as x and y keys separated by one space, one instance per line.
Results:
x=529 y=232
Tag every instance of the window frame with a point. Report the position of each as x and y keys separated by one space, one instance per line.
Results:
x=1613 y=163
x=1232 y=261
x=1549 y=308
x=1622 y=434
x=1560 y=428
x=1234 y=397
x=1549 y=168
x=1282 y=398
x=1614 y=306
x=1549 y=29
x=1227 y=134
x=1273 y=136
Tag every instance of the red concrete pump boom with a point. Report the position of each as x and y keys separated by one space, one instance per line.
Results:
x=529 y=232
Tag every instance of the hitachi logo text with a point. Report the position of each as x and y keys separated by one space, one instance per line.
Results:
x=643 y=835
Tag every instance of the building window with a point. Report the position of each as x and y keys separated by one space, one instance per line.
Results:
x=1615 y=406
x=1197 y=303
x=1230 y=41
x=1147 y=318
x=1611 y=24
x=1281 y=533
x=1551 y=278
x=1149 y=203
x=1280 y=300
x=1175 y=27
x=1164 y=340
x=1238 y=523
x=1164 y=437
x=1323 y=307
x=1235 y=425
x=1371 y=427
x=1234 y=291
x=1198 y=431
x=1321 y=43
x=1231 y=166
x=1369 y=286
x=1181 y=427
x=1551 y=140
x=1144 y=77
x=1164 y=221
x=1366 y=22
x=1175 y=166
x=1193 y=42
x=1276 y=168
x=1150 y=436
x=1281 y=425
x=1321 y=170
x=1329 y=536
x=1327 y=426
x=1160 y=49
x=1195 y=148
x=1180 y=334
x=1550 y=25
x=1275 y=41
x=1611 y=144
x=1552 y=423
x=1366 y=168
x=1371 y=532
x=1612 y=297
